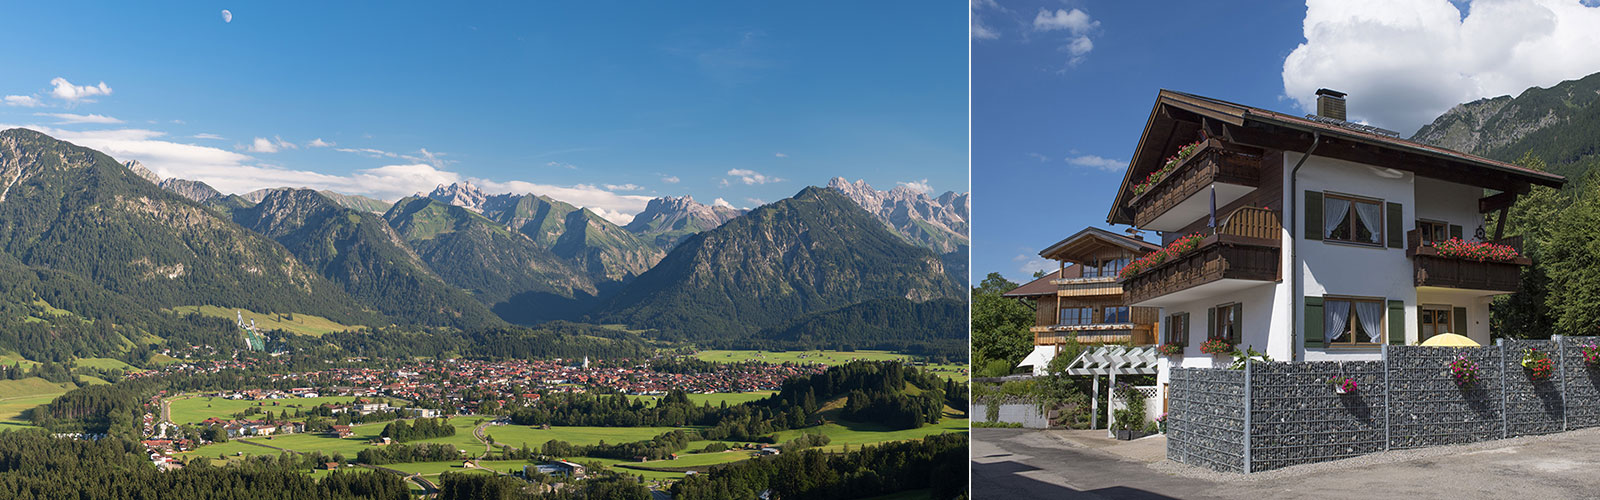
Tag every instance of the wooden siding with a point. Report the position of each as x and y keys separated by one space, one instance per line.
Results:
x=1090 y=290
x=1217 y=161
x=1269 y=195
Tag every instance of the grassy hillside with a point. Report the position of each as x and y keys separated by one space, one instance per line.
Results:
x=299 y=324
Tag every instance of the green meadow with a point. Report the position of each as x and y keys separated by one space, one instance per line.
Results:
x=194 y=409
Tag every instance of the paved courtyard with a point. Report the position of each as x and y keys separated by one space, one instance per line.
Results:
x=1013 y=464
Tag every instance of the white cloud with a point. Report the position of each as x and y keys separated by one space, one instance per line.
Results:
x=670 y=179
x=319 y=143
x=562 y=165
x=624 y=187
x=1030 y=264
x=227 y=17
x=1075 y=21
x=369 y=152
x=1099 y=162
x=780 y=155
x=1078 y=25
x=981 y=30
x=207 y=136
x=719 y=202
x=265 y=145
x=66 y=91
x=920 y=186
x=750 y=177
x=23 y=101
x=756 y=201
x=1405 y=63
x=1040 y=157
x=64 y=118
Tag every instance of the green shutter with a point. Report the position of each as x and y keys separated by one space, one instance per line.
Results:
x=1166 y=331
x=1313 y=215
x=1211 y=322
x=1314 y=325
x=1455 y=231
x=1238 y=324
x=1397 y=322
x=1397 y=235
x=1184 y=332
x=1460 y=325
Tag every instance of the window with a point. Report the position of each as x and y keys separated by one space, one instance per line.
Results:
x=1104 y=267
x=1076 y=315
x=1433 y=231
x=1352 y=220
x=1228 y=323
x=1115 y=314
x=1352 y=321
x=1434 y=320
x=1178 y=329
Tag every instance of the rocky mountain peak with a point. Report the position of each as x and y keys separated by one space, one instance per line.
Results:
x=671 y=218
x=939 y=223
x=461 y=194
x=141 y=171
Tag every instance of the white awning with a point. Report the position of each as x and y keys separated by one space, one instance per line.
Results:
x=1118 y=360
x=1039 y=359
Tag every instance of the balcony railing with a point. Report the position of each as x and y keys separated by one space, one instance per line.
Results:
x=1246 y=246
x=1433 y=269
x=1127 y=335
x=1234 y=169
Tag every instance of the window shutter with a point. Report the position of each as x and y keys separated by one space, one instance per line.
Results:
x=1166 y=331
x=1397 y=235
x=1455 y=231
x=1314 y=335
x=1211 y=323
x=1238 y=324
x=1397 y=322
x=1460 y=324
x=1183 y=333
x=1313 y=216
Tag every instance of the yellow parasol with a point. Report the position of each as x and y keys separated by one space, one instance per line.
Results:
x=1449 y=340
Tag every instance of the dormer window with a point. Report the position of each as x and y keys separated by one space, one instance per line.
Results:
x=1352 y=220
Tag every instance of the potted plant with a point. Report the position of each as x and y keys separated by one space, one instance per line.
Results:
x=1464 y=371
x=1538 y=364
x=1591 y=355
x=1170 y=349
x=1216 y=345
x=1342 y=384
x=1161 y=423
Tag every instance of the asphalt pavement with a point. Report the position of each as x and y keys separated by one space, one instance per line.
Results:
x=1014 y=464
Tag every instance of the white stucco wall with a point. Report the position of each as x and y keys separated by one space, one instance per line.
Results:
x=1449 y=202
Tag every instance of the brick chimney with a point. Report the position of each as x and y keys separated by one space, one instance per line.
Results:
x=1330 y=104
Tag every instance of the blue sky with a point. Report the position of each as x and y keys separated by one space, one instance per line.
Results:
x=1061 y=90
x=597 y=103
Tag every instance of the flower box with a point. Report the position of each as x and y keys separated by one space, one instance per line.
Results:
x=1173 y=251
x=1170 y=349
x=1216 y=345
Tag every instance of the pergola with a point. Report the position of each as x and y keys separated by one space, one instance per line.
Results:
x=1112 y=360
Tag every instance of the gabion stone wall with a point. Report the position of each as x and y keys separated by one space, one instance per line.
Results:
x=1205 y=418
x=1429 y=409
x=1580 y=383
x=1532 y=407
x=1296 y=417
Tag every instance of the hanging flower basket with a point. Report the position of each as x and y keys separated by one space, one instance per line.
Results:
x=1170 y=349
x=1342 y=384
x=1591 y=355
x=1464 y=371
x=1538 y=364
x=1216 y=345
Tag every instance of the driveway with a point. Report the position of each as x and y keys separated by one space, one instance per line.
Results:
x=1012 y=464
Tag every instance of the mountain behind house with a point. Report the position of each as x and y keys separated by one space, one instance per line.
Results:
x=1559 y=124
x=814 y=252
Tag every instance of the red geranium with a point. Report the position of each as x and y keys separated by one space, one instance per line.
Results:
x=1173 y=250
x=1166 y=167
x=1475 y=250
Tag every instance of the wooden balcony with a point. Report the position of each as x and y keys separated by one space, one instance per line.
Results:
x=1126 y=333
x=1182 y=197
x=1244 y=252
x=1449 y=272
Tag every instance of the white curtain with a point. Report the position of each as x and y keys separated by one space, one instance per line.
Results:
x=1336 y=313
x=1370 y=314
x=1372 y=218
x=1334 y=211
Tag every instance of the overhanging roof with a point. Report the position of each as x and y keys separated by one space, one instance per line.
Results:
x=1036 y=288
x=1081 y=246
x=1178 y=118
x=1115 y=360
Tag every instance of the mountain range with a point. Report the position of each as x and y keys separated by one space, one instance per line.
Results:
x=1559 y=124
x=76 y=224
